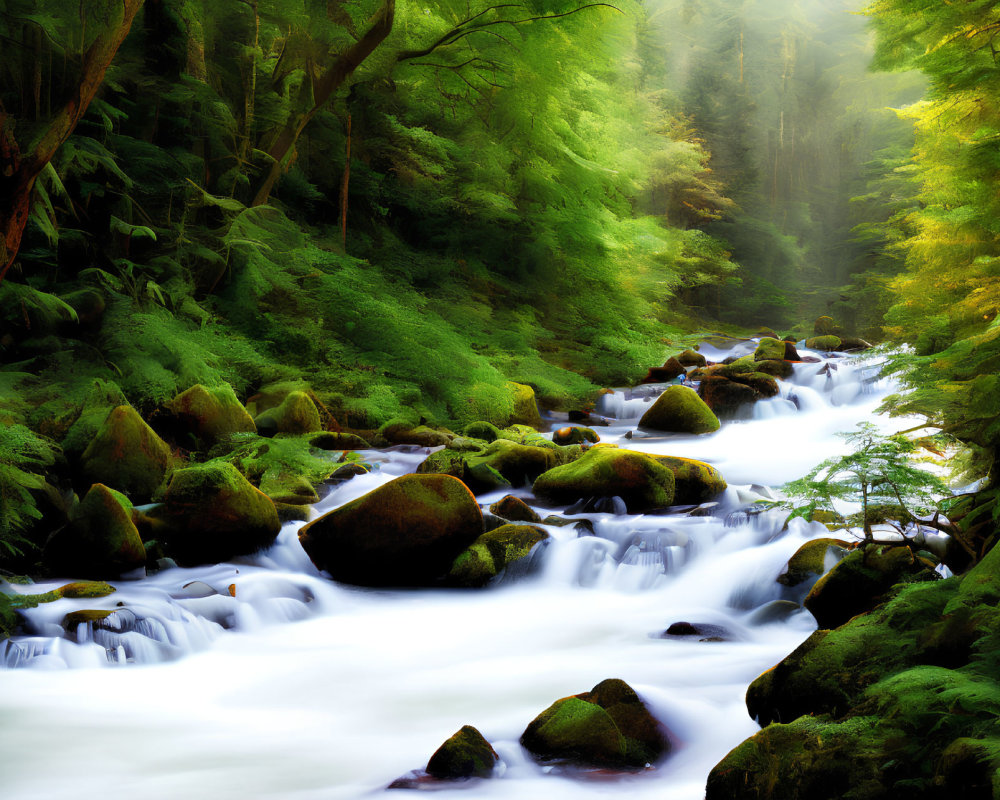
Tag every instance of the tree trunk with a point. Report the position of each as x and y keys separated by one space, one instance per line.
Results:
x=19 y=171
x=283 y=145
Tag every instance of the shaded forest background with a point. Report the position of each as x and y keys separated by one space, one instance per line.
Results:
x=550 y=193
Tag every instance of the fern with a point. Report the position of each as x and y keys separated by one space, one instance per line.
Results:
x=23 y=455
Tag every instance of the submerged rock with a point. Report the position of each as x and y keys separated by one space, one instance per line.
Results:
x=639 y=480
x=405 y=533
x=101 y=540
x=211 y=513
x=494 y=552
x=680 y=410
x=608 y=726
x=127 y=455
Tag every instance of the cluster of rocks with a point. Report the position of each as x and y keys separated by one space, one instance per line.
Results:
x=608 y=728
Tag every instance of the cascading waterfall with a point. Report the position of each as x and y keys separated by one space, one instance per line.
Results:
x=261 y=678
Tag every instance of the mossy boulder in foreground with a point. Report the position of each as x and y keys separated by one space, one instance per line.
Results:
x=210 y=413
x=405 y=533
x=101 y=540
x=211 y=513
x=127 y=455
x=680 y=410
x=608 y=726
x=695 y=482
x=494 y=552
x=466 y=754
x=642 y=482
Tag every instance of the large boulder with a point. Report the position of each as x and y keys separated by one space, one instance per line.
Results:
x=641 y=482
x=769 y=350
x=296 y=414
x=575 y=435
x=689 y=358
x=494 y=552
x=726 y=389
x=695 y=482
x=608 y=726
x=496 y=465
x=102 y=398
x=466 y=754
x=210 y=413
x=812 y=560
x=127 y=455
x=825 y=343
x=672 y=368
x=211 y=513
x=101 y=540
x=406 y=433
x=857 y=581
x=680 y=410
x=405 y=533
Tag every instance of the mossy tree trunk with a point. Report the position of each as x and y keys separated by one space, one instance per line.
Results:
x=21 y=166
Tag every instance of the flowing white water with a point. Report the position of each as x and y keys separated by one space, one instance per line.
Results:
x=288 y=685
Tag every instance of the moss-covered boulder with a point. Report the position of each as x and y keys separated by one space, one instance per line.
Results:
x=854 y=343
x=486 y=431
x=826 y=343
x=210 y=414
x=672 y=368
x=575 y=435
x=211 y=513
x=398 y=432
x=695 y=482
x=101 y=540
x=466 y=754
x=89 y=305
x=769 y=350
x=689 y=358
x=776 y=369
x=608 y=726
x=856 y=582
x=500 y=463
x=296 y=414
x=494 y=552
x=328 y=440
x=642 y=482
x=127 y=455
x=525 y=407
x=514 y=509
x=405 y=533
x=102 y=398
x=727 y=389
x=288 y=488
x=811 y=560
x=79 y=590
x=679 y=410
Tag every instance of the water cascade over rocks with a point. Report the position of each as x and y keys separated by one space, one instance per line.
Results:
x=263 y=678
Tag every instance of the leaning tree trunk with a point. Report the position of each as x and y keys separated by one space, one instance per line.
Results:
x=282 y=147
x=19 y=170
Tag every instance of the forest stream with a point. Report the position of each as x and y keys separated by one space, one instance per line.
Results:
x=261 y=677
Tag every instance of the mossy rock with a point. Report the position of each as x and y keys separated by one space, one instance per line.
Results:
x=776 y=369
x=695 y=482
x=811 y=559
x=672 y=368
x=85 y=616
x=8 y=618
x=328 y=440
x=466 y=754
x=608 y=726
x=791 y=353
x=514 y=509
x=643 y=483
x=575 y=435
x=297 y=414
x=127 y=455
x=810 y=758
x=287 y=488
x=519 y=464
x=405 y=533
x=89 y=305
x=858 y=580
x=769 y=350
x=102 y=398
x=419 y=435
x=825 y=326
x=680 y=410
x=486 y=431
x=726 y=397
x=689 y=358
x=211 y=513
x=525 y=407
x=854 y=343
x=86 y=589
x=494 y=552
x=210 y=414
x=826 y=343
x=101 y=539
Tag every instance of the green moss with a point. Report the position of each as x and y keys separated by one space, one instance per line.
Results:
x=810 y=560
x=514 y=509
x=680 y=410
x=642 y=482
x=297 y=414
x=694 y=481
x=8 y=618
x=465 y=754
x=486 y=431
x=575 y=435
x=493 y=552
x=823 y=343
x=769 y=350
x=127 y=455
x=525 y=411
x=211 y=413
